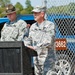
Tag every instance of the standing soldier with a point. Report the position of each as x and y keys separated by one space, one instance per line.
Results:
x=15 y=28
x=40 y=39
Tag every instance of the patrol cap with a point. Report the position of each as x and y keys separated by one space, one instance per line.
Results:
x=39 y=9
x=10 y=9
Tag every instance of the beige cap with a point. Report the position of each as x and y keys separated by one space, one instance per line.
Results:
x=39 y=9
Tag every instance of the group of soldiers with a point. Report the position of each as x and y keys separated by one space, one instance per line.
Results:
x=40 y=36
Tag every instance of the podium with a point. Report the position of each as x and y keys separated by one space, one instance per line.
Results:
x=15 y=58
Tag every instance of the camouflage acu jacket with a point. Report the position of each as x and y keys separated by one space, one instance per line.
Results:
x=13 y=31
x=42 y=38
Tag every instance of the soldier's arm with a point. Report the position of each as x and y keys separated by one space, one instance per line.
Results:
x=22 y=29
x=47 y=39
x=2 y=34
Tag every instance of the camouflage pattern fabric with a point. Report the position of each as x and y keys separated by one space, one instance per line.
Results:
x=13 y=31
x=42 y=38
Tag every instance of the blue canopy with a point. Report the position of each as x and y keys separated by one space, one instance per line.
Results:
x=24 y=17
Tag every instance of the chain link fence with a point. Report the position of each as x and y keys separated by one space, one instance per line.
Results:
x=62 y=13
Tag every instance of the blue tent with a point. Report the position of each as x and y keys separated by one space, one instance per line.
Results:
x=24 y=17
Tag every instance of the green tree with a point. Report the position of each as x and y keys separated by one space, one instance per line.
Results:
x=28 y=7
x=2 y=12
x=28 y=3
x=71 y=8
x=23 y=12
x=3 y=3
x=19 y=7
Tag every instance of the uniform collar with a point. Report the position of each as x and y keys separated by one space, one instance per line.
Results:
x=42 y=25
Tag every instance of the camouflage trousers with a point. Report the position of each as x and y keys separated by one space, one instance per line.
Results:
x=44 y=62
x=38 y=67
x=39 y=60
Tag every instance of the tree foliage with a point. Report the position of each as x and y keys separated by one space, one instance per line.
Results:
x=23 y=12
x=3 y=3
x=28 y=8
x=18 y=7
x=28 y=3
x=66 y=9
x=71 y=8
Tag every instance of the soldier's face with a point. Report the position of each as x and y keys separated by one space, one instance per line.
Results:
x=12 y=16
x=37 y=15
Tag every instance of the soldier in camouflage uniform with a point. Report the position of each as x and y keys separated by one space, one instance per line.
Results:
x=40 y=39
x=15 y=28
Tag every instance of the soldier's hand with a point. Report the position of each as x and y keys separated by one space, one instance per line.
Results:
x=28 y=25
x=31 y=47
